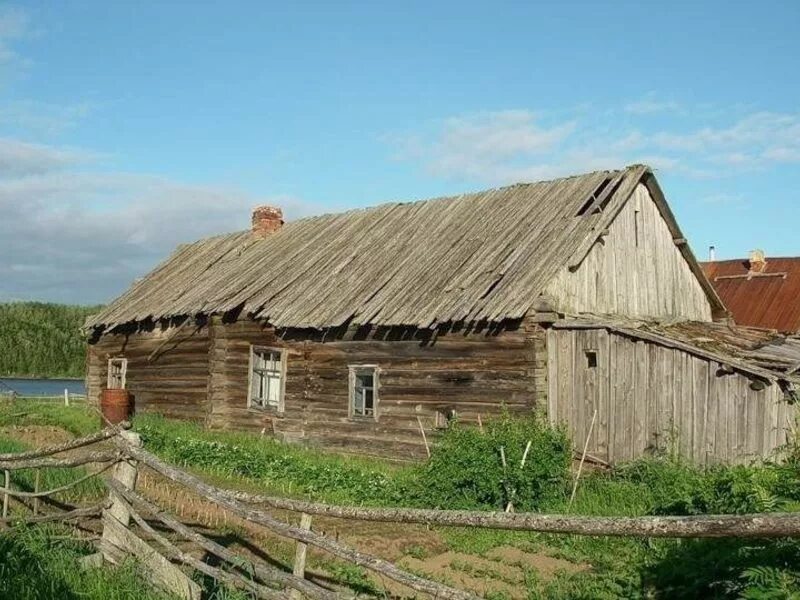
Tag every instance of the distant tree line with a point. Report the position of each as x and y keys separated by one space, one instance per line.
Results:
x=42 y=340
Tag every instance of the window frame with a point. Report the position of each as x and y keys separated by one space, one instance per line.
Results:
x=123 y=372
x=353 y=372
x=283 y=357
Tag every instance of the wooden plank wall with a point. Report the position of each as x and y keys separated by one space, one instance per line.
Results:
x=636 y=270
x=474 y=373
x=651 y=398
x=173 y=382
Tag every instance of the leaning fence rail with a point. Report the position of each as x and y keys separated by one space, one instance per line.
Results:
x=156 y=547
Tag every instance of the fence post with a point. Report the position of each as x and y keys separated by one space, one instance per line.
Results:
x=7 y=485
x=300 y=553
x=36 y=483
x=66 y=397
x=118 y=541
x=125 y=473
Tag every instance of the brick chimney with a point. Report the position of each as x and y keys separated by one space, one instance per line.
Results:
x=266 y=219
x=757 y=261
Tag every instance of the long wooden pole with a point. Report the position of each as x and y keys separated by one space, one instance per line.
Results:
x=78 y=513
x=583 y=458
x=424 y=437
x=93 y=438
x=373 y=563
x=35 y=494
x=757 y=525
x=266 y=573
x=60 y=463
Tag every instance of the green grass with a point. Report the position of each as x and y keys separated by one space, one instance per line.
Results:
x=41 y=563
x=89 y=490
x=620 y=567
x=79 y=420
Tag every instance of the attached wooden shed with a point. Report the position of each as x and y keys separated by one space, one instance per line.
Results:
x=688 y=388
x=353 y=331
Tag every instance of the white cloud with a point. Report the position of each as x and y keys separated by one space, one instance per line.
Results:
x=80 y=236
x=650 y=104
x=507 y=146
x=483 y=144
x=19 y=158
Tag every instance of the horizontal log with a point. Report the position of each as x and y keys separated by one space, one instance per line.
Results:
x=60 y=463
x=50 y=492
x=760 y=525
x=92 y=438
x=78 y=513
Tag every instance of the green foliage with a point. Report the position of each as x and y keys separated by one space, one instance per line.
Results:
x=42 y=340
x=275 y=465
x=728 y=568
x=679 y=488
x=466 y=467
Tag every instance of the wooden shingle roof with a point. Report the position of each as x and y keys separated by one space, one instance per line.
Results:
x=470 y=258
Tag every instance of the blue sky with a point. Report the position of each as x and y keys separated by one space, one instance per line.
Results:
x=126 y=128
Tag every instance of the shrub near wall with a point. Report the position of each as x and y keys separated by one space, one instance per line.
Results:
x=466 y=469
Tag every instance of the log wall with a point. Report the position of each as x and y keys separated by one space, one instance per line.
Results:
x=167 y=369
x=473 y=373
x=635 y=270
x=652 y=398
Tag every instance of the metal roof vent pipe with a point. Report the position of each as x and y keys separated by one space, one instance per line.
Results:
x=712 y=253
x=266 y=219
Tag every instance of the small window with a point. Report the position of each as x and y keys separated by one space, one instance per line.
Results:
x=591 y=359
x=364 y=391
x=267 y=377
x=117 y=373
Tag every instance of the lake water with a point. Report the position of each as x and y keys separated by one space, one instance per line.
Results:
x=41 y=387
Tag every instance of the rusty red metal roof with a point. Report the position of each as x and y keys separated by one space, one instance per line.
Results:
x=769 y=298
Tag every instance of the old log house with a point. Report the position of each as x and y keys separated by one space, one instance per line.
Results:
x=352 y=331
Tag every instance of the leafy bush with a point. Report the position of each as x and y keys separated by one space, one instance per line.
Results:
x=728 y=568
x=679 y=488
x=466 y=467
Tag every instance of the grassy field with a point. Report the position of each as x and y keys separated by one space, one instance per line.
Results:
x=465 y=472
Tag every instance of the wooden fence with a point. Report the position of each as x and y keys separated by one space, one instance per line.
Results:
x=126 y=532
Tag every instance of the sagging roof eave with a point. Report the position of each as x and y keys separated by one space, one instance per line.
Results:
x=740 y=366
